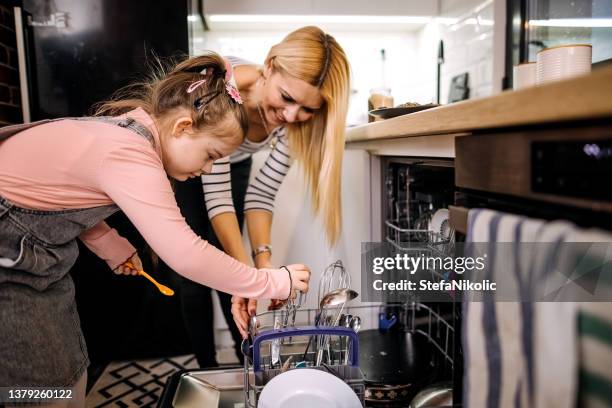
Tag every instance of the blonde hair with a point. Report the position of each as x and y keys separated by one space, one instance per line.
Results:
x=166 y=90
x=311 y=55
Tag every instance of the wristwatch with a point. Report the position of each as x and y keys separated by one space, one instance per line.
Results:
x=261 y=249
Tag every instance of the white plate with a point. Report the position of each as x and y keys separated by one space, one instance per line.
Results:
x=437 y=223
x=307 y=388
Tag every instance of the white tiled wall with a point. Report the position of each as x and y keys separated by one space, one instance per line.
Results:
x=469 y=46
x=467 y=29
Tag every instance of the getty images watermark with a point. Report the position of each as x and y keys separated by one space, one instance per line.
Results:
x=487 y=271
x=443 y=266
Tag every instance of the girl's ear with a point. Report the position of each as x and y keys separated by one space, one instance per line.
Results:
x=182 y=124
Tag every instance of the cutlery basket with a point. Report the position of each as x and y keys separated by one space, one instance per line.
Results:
x=260 y=366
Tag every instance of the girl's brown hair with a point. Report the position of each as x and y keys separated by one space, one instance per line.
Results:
x=166 y=89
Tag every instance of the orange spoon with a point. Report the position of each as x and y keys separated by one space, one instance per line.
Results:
x=163 y=289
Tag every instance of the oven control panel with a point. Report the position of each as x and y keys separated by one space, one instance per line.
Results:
x=572 y=168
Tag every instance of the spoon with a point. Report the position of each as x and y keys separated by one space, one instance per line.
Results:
x=253 y=326
x=333 y=298
x=163 y=289
x=355 y=324
x=337 y=297
x=345 y=321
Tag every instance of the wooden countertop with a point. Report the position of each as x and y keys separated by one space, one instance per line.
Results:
x=586 y=97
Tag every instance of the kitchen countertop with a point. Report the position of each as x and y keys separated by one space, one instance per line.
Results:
x=586 y=97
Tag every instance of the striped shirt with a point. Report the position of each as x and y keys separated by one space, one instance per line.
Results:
x=262 y=190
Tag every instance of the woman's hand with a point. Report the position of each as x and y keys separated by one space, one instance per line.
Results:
x=242 y=309
x=136 y=265
x=276 y=304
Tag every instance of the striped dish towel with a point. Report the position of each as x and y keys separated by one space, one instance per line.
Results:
x=595 y=329
x=518 y=354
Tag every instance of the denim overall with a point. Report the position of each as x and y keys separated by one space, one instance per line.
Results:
x=41 y=343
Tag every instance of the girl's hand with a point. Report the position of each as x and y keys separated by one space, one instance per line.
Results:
x=300 y=278
x=242 y=309
x=136 y=265
x=252 y=307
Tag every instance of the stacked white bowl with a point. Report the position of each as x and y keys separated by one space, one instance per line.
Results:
x=524 y=75
x=563 y=62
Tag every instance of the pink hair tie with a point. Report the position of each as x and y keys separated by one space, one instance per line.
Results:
x=230 y=83
x=233 y=92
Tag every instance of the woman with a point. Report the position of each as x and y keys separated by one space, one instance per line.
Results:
x=297 y=101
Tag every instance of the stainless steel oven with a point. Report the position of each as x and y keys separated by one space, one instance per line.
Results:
x=551 y=173
x=545 y=174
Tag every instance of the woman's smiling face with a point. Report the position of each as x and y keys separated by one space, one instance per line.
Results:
x=286 y=99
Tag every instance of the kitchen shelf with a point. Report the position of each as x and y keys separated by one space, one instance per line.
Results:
x=581 y=98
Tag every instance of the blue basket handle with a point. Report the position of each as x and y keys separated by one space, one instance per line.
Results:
x=269 y=335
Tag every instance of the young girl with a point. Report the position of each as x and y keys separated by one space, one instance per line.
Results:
x=297 y=101
x=59 y=179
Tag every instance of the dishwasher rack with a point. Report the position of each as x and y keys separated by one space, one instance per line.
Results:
x=437 y=322
x=417 y=242
x=259 y=367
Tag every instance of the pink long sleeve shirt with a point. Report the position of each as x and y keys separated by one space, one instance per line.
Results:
x=72 y=164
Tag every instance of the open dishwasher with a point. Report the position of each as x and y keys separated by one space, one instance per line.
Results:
x=241 y=386
x=366 y=359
